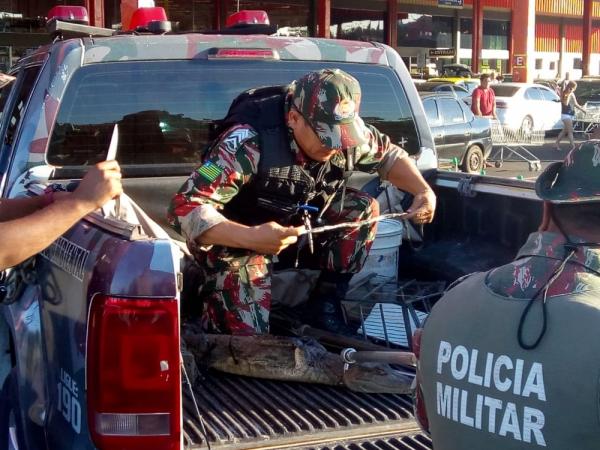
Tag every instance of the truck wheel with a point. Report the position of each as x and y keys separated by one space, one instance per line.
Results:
x=11 y=434
x=473 y=160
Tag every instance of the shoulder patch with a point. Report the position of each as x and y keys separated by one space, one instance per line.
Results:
x=232 y=140
x=210 y=171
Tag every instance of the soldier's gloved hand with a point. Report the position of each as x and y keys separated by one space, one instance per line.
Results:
x=422 y=208
x=271 y=238
x=101 y=184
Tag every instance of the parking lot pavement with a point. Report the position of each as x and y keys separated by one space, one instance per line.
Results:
x=515 y=167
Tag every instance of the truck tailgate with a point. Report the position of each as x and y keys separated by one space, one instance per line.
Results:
x=241 y=412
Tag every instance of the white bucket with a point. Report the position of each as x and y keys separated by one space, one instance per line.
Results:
x=383 y=257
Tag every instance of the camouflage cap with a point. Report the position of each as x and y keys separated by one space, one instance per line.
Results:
x=575 y=180
x=329 y=100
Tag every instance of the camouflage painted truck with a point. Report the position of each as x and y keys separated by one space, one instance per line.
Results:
x=94 y=320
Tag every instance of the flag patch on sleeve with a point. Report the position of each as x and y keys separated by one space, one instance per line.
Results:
x=210 y=171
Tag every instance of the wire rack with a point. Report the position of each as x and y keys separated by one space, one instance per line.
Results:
x=388 y=310
x=511 y=143
x=586 y=122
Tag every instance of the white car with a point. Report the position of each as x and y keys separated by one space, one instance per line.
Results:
x=527 y=106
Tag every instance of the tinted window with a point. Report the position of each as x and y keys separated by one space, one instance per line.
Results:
x=502 y=90
x=548 y=95
x=467 y=111
x=165 y=109
x=431 y=111
x=451 y=111
x=445 y=88
x=533 y=94
x=461 y=92
x=29 y=76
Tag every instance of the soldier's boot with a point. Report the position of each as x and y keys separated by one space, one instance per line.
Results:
x=324 y=309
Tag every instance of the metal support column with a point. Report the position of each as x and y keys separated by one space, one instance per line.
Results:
x=456 y=36
x=562 y=49
x=391 y=23
x=323 y=18
x=523 y=30
x=477 y=35
x=587 y=35
x=96 y=12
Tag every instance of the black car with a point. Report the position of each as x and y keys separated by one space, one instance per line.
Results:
x=457 y=132
x=446 y=88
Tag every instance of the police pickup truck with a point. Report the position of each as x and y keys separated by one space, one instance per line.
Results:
x=94 y=320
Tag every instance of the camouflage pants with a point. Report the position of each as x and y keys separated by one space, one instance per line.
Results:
x=237 y=287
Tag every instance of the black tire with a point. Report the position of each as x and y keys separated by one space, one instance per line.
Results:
x=10 y=415
x=473 y=160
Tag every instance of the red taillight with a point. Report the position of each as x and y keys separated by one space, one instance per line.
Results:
x=75 y=14
x=247 y=17
x=143 y=16
x=416 y=342
x=420 y=411
x=133 y=374
x=244 y=53
x=500 y=104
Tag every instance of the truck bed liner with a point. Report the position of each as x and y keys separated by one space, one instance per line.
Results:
x=241 y=412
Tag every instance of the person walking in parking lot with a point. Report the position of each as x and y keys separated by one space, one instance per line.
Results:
x=285 y=154
x=568 y=106
x=530 y=379
x=34 y=223
x=484 y=99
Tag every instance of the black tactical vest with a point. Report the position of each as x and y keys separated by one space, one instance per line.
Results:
x=280 y=185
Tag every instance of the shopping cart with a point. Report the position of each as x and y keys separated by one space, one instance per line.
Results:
x=585 y=122
x=510 y=143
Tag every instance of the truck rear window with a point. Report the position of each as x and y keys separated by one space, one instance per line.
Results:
x=165 y=109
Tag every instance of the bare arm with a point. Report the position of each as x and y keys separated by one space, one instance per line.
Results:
x=476 y=108
x=576 y=103
x=15 y=208
x=405 y=176
x=28 y=235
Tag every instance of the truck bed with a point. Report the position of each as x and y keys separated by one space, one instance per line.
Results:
x=249 y=413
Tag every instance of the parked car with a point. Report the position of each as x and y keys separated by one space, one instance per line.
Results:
x=457 y=132
x=588 y=93
x=95 y=360
x=552 y=84
x=445 y=87
x=527 y=107
x=468 y=83
x=457 y=70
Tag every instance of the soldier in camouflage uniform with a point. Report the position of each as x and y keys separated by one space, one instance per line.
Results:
x=286 y=152
x=508 y=357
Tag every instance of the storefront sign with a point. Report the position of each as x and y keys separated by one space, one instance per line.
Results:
x=451 y=3
x=442 y=52
x=519 y=60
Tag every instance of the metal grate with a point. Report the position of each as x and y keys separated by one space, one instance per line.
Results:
x=240 y=410
x=413 y=442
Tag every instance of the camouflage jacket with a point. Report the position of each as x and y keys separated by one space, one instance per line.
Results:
x=232 y=161
x=535 y=263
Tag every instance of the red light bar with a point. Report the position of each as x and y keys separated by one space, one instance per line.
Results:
x=244 y=53
x=143 y=16
x=75 y=14
x=247 y=17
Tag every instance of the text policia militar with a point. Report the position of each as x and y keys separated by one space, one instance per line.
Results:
x=499 y=374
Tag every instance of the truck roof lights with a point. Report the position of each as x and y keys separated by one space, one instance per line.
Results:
x=66 y=13
x=247 y=17
x=152 y=19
